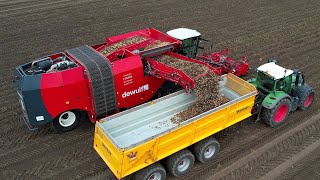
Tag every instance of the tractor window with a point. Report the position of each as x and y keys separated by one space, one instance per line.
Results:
x=300 y=80
x=297 y=79
x=293 y=80
x=284 y=84
x=280 y=84
x=265 y=81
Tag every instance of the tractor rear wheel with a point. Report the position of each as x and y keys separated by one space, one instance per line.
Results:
x=67 y=121
x=153 y=172
x=307 y=96
x=277 y=115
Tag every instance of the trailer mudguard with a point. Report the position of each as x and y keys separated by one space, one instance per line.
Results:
x=271 y=100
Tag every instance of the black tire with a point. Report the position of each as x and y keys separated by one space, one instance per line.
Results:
x=206 y=150
x=306 y=97
x=269 y=115
x=180 y=163
x=155 y=169
x=61 y=127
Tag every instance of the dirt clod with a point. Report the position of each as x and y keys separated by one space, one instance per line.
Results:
x=207 y=97
x=113 y=47
x=190 y=68
x=206 y=87
x=156 y=44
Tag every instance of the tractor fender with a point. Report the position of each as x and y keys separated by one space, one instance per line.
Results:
x=271 y=100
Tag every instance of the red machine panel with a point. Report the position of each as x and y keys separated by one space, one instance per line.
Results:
x=65 y=90
x=132 y=87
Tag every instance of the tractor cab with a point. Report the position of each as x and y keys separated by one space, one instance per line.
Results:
x=190 y=41
x=272 y=77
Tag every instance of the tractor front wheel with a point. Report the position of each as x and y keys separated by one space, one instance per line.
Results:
x=306 y=100
x=67 y=121
x=277 y=115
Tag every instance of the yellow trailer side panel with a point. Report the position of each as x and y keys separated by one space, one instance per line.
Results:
x=108 y=152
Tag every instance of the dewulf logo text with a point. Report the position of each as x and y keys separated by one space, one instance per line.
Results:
x=136 y=91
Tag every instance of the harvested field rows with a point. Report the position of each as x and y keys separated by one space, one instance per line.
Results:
x=286 y=30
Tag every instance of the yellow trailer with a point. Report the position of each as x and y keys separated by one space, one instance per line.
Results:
x=134 y=141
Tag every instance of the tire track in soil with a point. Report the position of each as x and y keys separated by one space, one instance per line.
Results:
x=54 y=23
x=45 y=144
x=54 y=5
x=98 y=166
x=275 y=46
x=290 y=22
x=160 y=6
x=85 y=22
x=256 y=35
x=276 y=172
x=307 y=168
x=15 y=143
x=50 y=166
x=45 y=37
x=8 y=7
x=275 y=152
x=243 y=148
x=260 y=23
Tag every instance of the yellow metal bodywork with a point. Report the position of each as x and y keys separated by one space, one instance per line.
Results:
x=125 y=162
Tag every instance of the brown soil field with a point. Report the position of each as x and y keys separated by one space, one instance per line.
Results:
x=288 y=30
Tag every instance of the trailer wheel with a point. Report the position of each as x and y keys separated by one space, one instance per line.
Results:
x=153 y=172
x=206 y=150
x=67 y=121
x=180 y=163
x=277 y=115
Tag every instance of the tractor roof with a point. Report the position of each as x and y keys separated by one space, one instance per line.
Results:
x=274 y=70
x=183 y=33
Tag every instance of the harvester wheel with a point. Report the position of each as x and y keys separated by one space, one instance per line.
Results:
x=180 y=163
x=206 y=150
x=277 y=115
x=67 y=121
x=153 y=172
x=306 y=96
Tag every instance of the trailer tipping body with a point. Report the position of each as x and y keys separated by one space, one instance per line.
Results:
x=136 y=138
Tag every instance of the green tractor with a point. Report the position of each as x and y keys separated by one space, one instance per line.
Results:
x=280 y=91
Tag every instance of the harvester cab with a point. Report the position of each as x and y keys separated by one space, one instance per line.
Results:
x=190 y=41
x=281 y=90
x=190 y=45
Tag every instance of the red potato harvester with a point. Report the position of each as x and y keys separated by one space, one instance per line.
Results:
x=96 y=81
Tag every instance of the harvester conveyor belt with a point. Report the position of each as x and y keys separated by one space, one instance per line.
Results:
x=101 y=77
